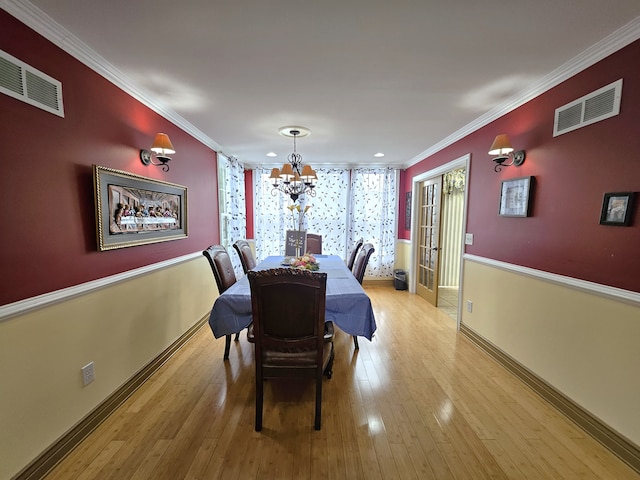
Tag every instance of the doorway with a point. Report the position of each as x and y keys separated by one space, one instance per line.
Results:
x=451 y=233
x=447 y=226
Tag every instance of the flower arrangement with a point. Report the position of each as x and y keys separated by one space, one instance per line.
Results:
x=305 y=262
x=293 y=208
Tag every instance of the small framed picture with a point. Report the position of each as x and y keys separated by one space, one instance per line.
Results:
x=515 y=197
x=617 y=208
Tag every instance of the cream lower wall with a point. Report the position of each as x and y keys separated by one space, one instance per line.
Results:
x=403 y=256
x=583 y=344
x=120 y=327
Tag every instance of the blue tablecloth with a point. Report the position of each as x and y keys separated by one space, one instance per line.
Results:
x=348 y=306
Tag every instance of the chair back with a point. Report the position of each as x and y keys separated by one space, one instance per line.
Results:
x=362 y=260
x=221 y=266
x=288 y=308
x=245 y=253
x=314 y=244
x=354 y=252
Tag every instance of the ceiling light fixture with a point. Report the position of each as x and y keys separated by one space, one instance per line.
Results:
x=501 y=147
x=161 y=147
x=293 y=179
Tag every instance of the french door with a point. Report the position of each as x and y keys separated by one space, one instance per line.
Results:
x=428 y=241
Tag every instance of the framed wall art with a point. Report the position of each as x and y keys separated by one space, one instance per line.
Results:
x=515 y=197
x=407 y=211
x=134 y=210
x=617 y=209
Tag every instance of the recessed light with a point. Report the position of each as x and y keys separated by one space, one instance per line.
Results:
x=272 y=154
x=379 y=154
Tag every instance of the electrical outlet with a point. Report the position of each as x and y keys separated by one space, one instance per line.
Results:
x=87 y=374
x=469 y=306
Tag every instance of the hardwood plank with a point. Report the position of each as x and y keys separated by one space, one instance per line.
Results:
x=432 y=406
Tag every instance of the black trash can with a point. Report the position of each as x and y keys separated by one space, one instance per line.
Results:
x=400 y=279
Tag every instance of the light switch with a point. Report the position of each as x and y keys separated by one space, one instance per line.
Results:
x=468 y=239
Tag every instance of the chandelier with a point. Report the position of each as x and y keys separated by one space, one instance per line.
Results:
x=293 y=179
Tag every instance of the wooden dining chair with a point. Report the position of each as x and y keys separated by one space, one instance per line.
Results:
x=245 y=253
x=225 y=277
x=359 y=267
x=291 y=336
x=314 y=244
x=354 y=252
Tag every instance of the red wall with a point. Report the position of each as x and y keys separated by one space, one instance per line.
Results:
x=572 y=171
x=48 y=228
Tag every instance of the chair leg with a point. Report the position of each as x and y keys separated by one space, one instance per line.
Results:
x=318 y=419
x=355 y=343
x=259 y=401
x=328 y=371
x=227 y=346
x=237 y=336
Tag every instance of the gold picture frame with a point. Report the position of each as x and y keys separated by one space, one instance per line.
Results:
x=134 y=210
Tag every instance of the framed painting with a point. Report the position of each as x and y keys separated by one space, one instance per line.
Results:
x=617 y=208
x=134 y=210
x=515 y=197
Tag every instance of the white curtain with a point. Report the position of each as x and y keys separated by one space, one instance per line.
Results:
x=372 y=216
x=272 y=218
x=348 y=205
x=235 y=206
x=328 y=213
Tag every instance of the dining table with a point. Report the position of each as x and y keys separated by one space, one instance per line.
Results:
x=347 y=304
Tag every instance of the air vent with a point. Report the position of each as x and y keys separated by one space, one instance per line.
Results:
x=596 y=106
x=21 y=81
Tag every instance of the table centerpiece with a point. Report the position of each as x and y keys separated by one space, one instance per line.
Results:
x=305 y=262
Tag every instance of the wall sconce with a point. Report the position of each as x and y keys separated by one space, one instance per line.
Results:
x=501 y=147
x=161 y=147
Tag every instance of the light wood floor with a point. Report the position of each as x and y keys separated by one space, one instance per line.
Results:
x=420 y=401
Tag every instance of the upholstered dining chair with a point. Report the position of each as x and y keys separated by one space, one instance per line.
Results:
x=245 y=253
x=290 y=334
x=359 y=267
x=354 y=252
x=225 y=277
x=314 y=244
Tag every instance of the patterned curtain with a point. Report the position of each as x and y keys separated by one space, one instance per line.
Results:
x=328 y=213
x=372 y=216
x=348 y=205
x=272 y=218
x=234 y=206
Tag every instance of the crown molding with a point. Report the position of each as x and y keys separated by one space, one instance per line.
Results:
x=37 y=20
x=46 y=26
x=592 y=55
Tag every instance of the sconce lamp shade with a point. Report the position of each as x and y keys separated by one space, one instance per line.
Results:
x=501 y=145
x=162 y=145
x=162 y=148
x=502 y=149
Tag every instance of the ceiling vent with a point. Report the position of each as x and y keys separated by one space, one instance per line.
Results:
x=21 y=81
x=596 y=106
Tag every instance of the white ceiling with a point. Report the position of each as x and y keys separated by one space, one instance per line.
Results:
x=364 y=76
